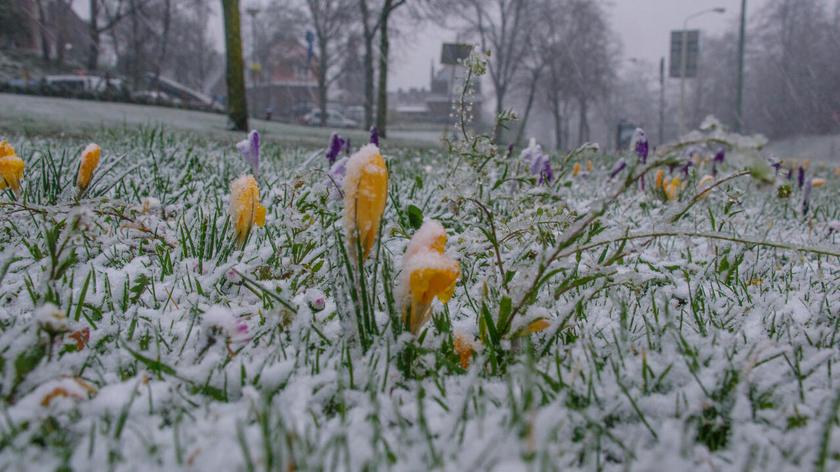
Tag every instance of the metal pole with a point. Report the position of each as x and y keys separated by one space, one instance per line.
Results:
x=683 y=68
x=739 y=101
x=252 y=12
x=662 y=100
x=684 y=58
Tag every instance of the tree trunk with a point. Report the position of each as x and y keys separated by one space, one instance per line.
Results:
x=583 y=125
x=368 y=34
x=323 y=92
x=164 y=43
x=558 y=121
x=237 y=101
x=93 y=29
x=532 y=91
x=384 y=48
x=42 y=30
x=497 y=128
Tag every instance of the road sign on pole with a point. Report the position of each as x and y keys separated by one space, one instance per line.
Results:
x=685 y=46
x=453 y=53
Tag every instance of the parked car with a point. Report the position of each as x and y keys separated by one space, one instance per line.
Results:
x=153 y=96
x=81 y=83
x=334 y=119
x=355 y=113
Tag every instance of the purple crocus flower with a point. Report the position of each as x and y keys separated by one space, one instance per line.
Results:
x=250 y=150
x=509 y=151
x=719 y=157
x=546 y=172
x=806 y=197
x=374 y=136
x=800 y=177
x=642 y=147
x=336 y=145
x=617 y=168
x=776 y=164
x=688 y=164
x=531 y=152
x=541 y=168
x=338 y=171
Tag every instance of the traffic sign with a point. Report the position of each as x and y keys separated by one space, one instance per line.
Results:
x=691 y=49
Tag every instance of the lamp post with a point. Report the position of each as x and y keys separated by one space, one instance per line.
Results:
x=739 y=101
x=253 y=12
x=684 y=59
x=661 y=101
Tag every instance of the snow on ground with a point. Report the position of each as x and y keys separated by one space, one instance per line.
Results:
x=58 y=115
x=136 y=335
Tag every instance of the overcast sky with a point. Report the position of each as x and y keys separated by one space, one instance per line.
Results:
x=643 y=26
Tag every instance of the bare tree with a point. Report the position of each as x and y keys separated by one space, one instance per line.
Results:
x=237 y=102
x=385 y=13
x=503 y=28
x=368 y=35
x=96 y=29
x=330 y=20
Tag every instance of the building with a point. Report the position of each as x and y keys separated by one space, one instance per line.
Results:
x=286 y=85
x=435 y=104
x=55 y=25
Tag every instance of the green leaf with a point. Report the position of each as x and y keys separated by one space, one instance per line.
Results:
x=415 y=216
x=153 y=365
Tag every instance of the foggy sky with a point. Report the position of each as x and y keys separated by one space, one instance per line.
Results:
x=643 y=26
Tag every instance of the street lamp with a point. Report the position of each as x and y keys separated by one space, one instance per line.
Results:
x=684 y=59
x=253 y=12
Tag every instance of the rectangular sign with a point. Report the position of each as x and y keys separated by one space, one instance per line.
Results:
x=691 y=49
x=453 y=53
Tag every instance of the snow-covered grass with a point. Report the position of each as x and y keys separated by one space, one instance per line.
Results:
x=601 y=326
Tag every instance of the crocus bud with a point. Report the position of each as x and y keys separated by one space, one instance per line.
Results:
x=245 y=208
x=250 y=150
x=641 y=146
x=11 y=168
x=88 y=163
x=660 y=176
x=336 y=145
x=365 y=195
x=374 y=136
x=427 y=274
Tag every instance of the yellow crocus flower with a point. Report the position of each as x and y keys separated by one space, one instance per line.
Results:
x=817 y=182
x=589 y=166
x=365 y=194
x=576 y=169
x=464 y=348
x=11 y=168
x=245 y=207
x=672 y=189
x=87 y=166
x=660 y=178
x=427 y=274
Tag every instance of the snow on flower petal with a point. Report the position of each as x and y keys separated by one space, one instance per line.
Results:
x=427 y=273
x=11 y=167
x=88 y=163
x=245 y=208
x=365 y=194
x=250 y=150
